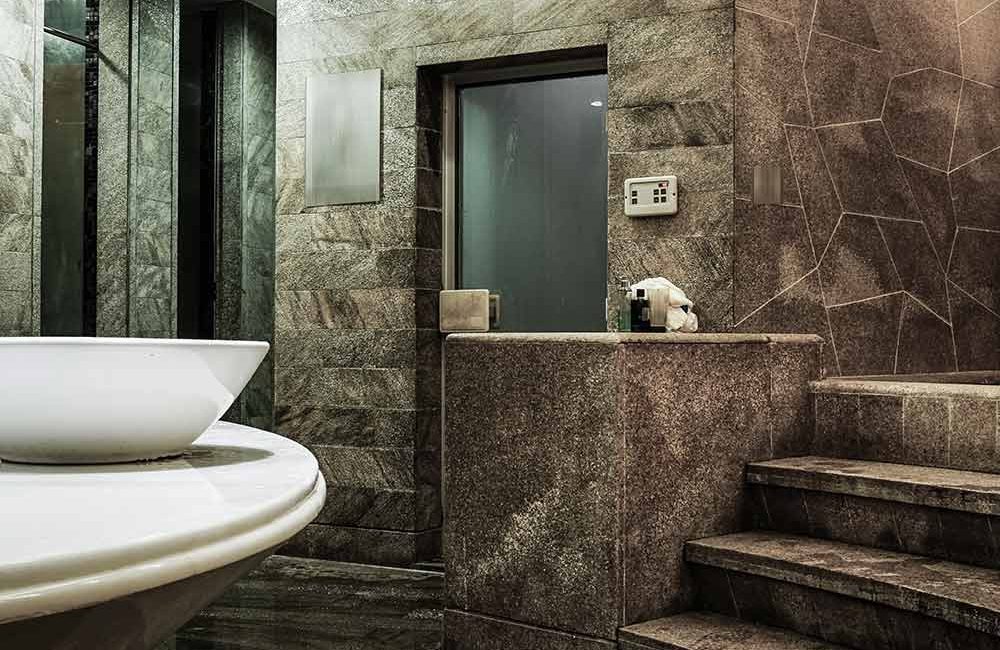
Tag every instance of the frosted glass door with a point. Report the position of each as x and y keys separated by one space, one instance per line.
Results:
x=531 y=200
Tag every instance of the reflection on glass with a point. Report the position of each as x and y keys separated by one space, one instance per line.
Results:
x=62 y=187
x=532 y=200
x=67 y=15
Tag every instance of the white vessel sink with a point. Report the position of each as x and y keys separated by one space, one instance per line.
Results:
x=119 y=556
x=103 y=400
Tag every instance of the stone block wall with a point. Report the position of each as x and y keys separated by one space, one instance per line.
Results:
x=358 y=355
x=578 y=465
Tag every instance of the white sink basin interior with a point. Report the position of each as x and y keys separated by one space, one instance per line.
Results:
x=101 y=400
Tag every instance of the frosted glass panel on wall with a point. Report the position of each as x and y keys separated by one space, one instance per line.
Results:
x=532 y=200
x=344 y=138
x=63 y=120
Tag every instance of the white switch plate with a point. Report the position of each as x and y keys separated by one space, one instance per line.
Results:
x=650 y=197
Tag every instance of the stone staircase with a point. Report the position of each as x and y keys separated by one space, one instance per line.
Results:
x=847 y=553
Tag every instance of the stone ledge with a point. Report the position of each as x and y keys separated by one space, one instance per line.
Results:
x=963 y=595
x=705 y=631
x=865 y=386
x=933 y=487
x=616 y=338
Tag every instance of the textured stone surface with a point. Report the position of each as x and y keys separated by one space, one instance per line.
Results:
x=772 y=252
x=954 y=593
x=975 y=266
x=919 y=109
x=822 y=614
x=152 y=313
x=19 y=251
x=977 y=332
x=467 y=631
x=704 y=631
x=535 y=540
x=866 y=333
x=941 y=424
x=964 y=491
x=980 y=57
x=520 y=521
x=900 y=123
x=300 y=604
x=364 y=545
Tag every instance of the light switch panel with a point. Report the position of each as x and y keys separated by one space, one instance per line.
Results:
x=651 y=197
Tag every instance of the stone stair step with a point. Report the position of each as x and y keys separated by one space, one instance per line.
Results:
x=950 y=425
x=707 y=631
x=934 y=487
x=958 y=595
x=902 y=508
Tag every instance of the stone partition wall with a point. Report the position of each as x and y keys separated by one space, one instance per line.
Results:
x=20 y=57
x=152 y=282
x=578 y=465
x=884 y=118
x=134 y=176
x=357 y=365
x=246 y=192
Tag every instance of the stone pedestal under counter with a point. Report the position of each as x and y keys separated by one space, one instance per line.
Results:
x=577 y=465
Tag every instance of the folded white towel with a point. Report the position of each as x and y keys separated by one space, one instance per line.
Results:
x=669 y=306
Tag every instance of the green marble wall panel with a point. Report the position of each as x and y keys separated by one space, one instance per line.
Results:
x=245 y=306
x=18 y=159
x=153 y=214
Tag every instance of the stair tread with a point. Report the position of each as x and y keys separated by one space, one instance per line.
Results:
x=957 y=593
x=952 y=489
x=705 y=631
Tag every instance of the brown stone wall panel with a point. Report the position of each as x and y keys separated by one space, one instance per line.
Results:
x=857 y=265
x=761 y=141
x=976 y=330
x=976 y=193
x=978 y=128
x=925 y=341
x=772 y=252
x=916 y=262
x=979 y=37
x=920 y=113
x=673 y=424
x=932 y=191
x=865 y=334
x=540 y=545
x=769 y=67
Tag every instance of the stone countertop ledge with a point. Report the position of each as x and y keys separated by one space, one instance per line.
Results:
x=75 y=536
x=900 y=387
x=630 y=338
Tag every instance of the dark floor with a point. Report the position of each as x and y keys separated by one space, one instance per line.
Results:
x=299 y=604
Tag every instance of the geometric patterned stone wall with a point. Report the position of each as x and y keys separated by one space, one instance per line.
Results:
x=885 y=117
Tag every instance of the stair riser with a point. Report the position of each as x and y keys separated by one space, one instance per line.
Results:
x=835 y=618
x=888 y=525
x=957 y=433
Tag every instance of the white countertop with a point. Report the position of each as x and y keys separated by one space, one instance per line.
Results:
x=74 y=536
